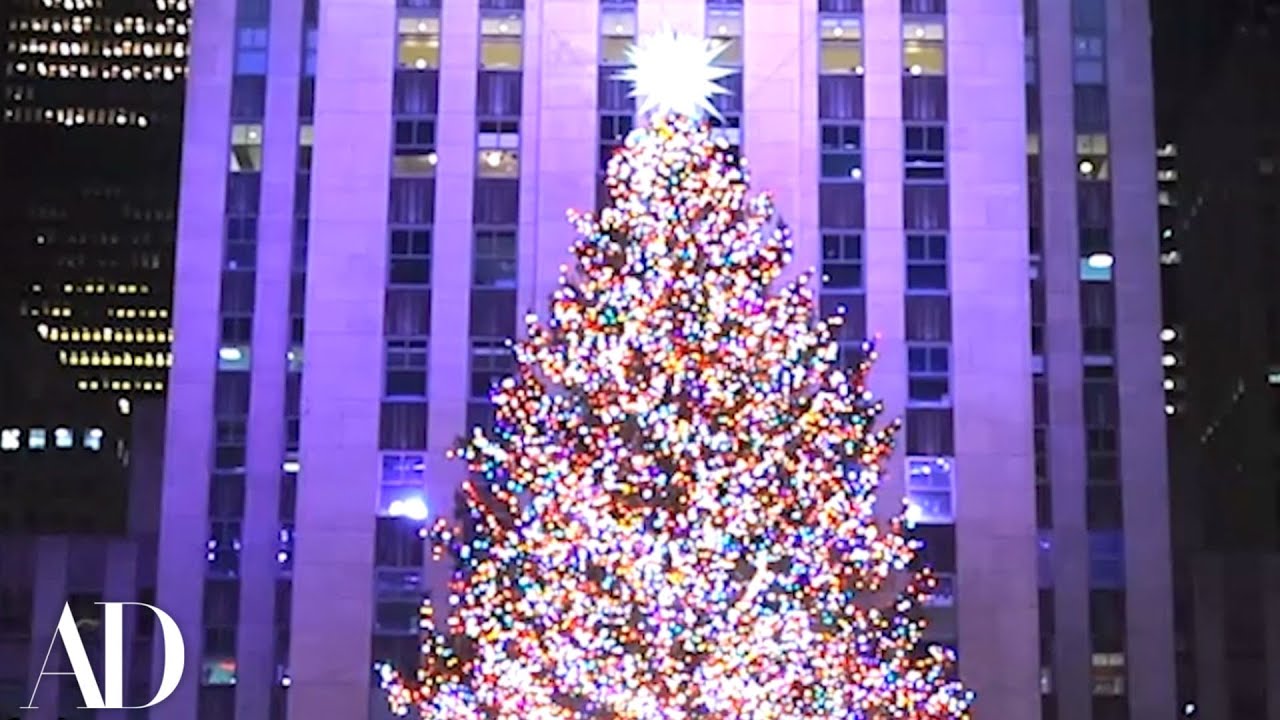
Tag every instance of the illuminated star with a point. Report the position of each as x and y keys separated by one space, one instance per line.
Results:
x=674 y=72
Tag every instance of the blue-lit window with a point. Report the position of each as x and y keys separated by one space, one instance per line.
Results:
x=224 y=548
x=491 y=363
x=402 y=486
x=930 y=490
x=1044 y=559
x=1106 y=559
x=841 y=151
x=928 y=373
x=1090 y=60
x=251 y=51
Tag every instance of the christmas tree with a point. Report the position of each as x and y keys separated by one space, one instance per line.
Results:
x=673 y=518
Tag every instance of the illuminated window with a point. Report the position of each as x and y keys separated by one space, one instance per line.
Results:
x=924 y=49
x=841 y=45
x=1108 y=674
x=617 y=31
x=1091 y=157
x=724 y=26
x=1089 y=60
x=500 y=42
x=10 y=439
x=498 y=164
x=251 y=51
x=246 y=149
x=402 y=487
x=36 y=439
x=929 y=490
x=62 y=438
x=419 y=43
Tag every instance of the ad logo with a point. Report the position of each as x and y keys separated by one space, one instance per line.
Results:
x=111 y=695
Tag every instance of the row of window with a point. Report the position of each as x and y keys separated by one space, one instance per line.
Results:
x=62 y=438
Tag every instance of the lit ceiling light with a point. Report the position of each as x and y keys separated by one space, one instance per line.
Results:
x=1101 y=261
x=1168 y=334
x=413 y=508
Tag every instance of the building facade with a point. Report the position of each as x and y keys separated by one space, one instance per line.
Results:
x=343 y=295
x=1228 y=210
x=90 y=119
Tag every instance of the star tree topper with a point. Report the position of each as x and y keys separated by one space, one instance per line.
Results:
x=675 y=73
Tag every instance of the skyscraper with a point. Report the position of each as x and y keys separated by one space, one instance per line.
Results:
x=374 y=195
x=89 y=135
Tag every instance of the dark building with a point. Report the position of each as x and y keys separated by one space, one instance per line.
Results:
x=1221 y=264
x=90 y=136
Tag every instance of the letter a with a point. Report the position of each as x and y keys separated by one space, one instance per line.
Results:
x=80 y=666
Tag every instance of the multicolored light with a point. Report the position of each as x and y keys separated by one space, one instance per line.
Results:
x=674 y=518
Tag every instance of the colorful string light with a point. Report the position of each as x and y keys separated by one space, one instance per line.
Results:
x=674 y=516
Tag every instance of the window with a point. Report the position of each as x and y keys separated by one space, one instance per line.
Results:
x=841 y=261
x=234 y=357
x=1106 y=560
x=925 y=206
x=841 y=205
x=494 y=259
x=1091 y=156
x=491 y=363
x=92 y=439
x=415 y=93
x=397 y=543
x=500 y=42
x=493 y=313
x=617 y=30
x=498 y=95
x=1103 y=507
x=840 y=97
x=406 y=365
x=402 y=488
x=924 y=97
x=1097 y=316
x=928 y=317
x=930 y=431
x=251 y=51
x=410 y=260
x=36 y=439
x=498 y=164
x=1089 y=60
x=62 y=438
x=412 y=201
x=403 y=425
x=927 y=262
x=226 y=492
x=1108 y=673
x=841 y=51
x=925 y=148
x=246 y=148
x=929 y=490
x=928 y=371
x=841 y=151
x=10 y=439
x=944 y=594
x=224 y=548
x=407 y=312
x=411 y=163
x=924 y=47
x=724 y=26
x=1044 y=560
x=419 y=43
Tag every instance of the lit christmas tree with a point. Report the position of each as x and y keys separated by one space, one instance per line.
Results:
x=674 y=516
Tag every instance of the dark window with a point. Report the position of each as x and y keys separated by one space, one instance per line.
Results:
x=925 y=149
x=416 y=92
x=231 y=394
x=498 y=94
x=924 y=7
x=491 y=362
x=851 y=307
x=408 y=312
x=840 y=97
x=494 y=259
x=412 y=201
x=926 y=261
x=930 y=432
x=406 y=365
x=1103 y=507
x=410 y=261
x=397 y=543
x=925 y=207
x=1107 y=620
x=226 y=492
x=924 y=97
x=497 y=201
x=248 y=97
x=615 y=94
x=840 y=6
x=841 y=205
x=493 y=313
x=1091 y=108
x=403 y=426
x=841 y=261
x=928 y=317
x=928 y=371
x=841 y=151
